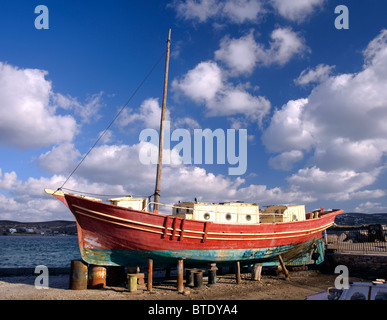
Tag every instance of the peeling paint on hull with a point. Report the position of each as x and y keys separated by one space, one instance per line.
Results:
x=294 y=254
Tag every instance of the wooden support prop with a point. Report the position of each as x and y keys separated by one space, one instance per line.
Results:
x=238 y=272
x=180 y=275
x=150 y=275
x=212 y=274
x=256 y=272
x=287 y=275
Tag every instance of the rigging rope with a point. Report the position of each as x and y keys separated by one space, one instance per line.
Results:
x=114 y=119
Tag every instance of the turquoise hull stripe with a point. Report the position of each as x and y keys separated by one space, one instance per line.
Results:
x=266 y=256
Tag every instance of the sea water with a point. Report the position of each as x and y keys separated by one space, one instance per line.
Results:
x=31 y=251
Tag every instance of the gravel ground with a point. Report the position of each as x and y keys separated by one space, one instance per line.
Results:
x=271 y=287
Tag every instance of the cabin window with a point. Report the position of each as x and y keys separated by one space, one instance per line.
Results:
x=277 y=211
x=206 y=216
x=187 y=210
x=177 y=211
x=228 y=216
x=248 y=217
x=295 y=217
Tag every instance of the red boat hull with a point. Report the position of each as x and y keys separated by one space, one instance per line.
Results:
x=112 y=235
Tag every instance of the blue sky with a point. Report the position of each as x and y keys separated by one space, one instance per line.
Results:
x=312 y=98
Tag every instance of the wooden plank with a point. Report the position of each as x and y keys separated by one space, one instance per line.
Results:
x=205 y=231
x=287 y=275
x=238 y=272
x=182 y=229
x=174 y=224
x=166 y=222
x=256 y=272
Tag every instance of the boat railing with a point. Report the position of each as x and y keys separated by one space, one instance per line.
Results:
x=179 y=207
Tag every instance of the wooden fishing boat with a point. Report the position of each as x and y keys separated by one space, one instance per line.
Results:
x=115 y=235
x=125 y=232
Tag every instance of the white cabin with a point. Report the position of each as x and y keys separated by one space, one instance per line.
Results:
x=130 y=203
x=229 y=212
x=283 y=213
x=238 y=212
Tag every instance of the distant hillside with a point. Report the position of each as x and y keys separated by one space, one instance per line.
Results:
x=354 y=218
x=47 y=227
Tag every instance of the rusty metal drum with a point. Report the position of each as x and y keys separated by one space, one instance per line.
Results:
x=78 y=275
x=97 y=277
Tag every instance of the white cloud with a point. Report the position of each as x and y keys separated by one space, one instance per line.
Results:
x=201 y=83
x=285 y=45
x=286 y=160
x=287 y=131
x=371 y=207
x=334 y=184
x=27 y=120
x=186 y=122
x=60 y=159
x=87 y=111
x=296 y=10
x=341 y=153
x=237 y=11
x=244 y=54
x=206 y=84
x=316 y=75
x=233 y=101
x=200 y=10
x=148 y=115
x=239 y=54
x=240 y=11
x=341 y=126
x=9 y=180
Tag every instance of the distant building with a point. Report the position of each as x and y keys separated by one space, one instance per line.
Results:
x=12 y=230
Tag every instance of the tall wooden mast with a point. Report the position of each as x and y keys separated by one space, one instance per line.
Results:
x=159 y=163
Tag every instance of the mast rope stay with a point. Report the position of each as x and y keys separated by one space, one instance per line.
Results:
x=114 y=119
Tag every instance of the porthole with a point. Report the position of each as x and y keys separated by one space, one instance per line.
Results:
x=207 y=216
x=228 y=216
x=248 y=217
